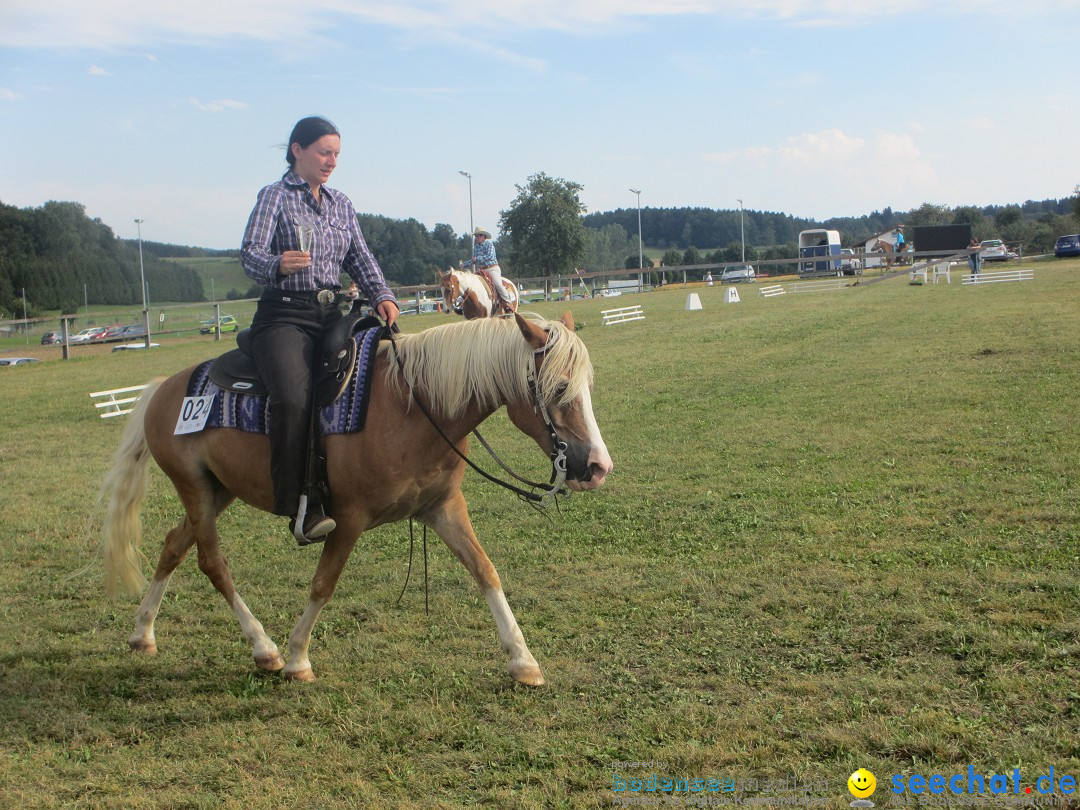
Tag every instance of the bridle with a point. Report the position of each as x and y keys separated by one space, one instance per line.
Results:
x=557 y=485
x=455 y=304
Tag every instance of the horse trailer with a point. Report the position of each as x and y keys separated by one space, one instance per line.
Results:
x=823 y=247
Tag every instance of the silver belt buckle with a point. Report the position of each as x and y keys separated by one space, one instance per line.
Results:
x=325 y=297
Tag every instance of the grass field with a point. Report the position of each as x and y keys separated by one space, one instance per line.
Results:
x=842 y=532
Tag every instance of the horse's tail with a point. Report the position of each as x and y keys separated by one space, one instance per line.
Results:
x=126 y=484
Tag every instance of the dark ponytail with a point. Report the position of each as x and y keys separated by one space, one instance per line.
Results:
x=306 y=132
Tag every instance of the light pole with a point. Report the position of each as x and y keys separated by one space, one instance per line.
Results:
x=742 y=232
x=142 y=285
x=472 y=229
x=640 y=248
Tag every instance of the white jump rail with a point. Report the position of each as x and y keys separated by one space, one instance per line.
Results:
x=622 y=315
x=118 y=401
x=1020 y=274
x=823 y=285
x=771 y=290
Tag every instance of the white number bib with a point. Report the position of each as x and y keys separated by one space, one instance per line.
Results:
x=193 y=414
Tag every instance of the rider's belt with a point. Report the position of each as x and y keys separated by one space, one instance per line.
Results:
x=489 y=266
x=323 y=297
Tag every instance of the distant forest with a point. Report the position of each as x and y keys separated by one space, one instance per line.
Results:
x=61 y=258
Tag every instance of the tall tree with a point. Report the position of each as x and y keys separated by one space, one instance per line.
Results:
x=544 y=224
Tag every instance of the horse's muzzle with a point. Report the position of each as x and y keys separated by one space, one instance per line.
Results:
x=586 y=466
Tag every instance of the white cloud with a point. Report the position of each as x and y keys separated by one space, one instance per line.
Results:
x=94 y=70
x=218 y=105
x=9 y=95
x=809 y=146
x=134 y=23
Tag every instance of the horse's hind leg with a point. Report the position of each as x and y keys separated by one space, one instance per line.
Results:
x=177 y=544
x=213 y=563
x=453 y=525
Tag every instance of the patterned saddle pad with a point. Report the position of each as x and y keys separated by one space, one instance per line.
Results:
x=252 y=414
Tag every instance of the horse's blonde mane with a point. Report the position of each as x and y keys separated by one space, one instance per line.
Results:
x=487 y=362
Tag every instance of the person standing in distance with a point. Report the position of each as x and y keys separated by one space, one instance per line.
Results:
x=483 y=260
x=299 y=301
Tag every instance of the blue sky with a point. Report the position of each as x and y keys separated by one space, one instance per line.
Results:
x=177 y=113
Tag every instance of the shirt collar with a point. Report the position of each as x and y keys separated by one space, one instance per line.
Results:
x=291 y=178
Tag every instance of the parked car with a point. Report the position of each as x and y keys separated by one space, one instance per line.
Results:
x=737 y=273
x=87 y=335
x=993 y=250
x=111 y=333
x=135 y=330
x=17 y=361
x=52 y=337
x=228 y=324
x=849 y=264
x=1067 y=246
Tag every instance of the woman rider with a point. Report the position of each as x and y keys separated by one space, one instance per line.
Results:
x=298 y=304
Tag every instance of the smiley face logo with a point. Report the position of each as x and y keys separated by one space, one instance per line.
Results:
x=862 y=784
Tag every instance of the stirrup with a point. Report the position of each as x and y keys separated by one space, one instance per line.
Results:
x=310 y=528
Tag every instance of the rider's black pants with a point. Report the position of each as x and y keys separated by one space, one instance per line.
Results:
x=286 y=334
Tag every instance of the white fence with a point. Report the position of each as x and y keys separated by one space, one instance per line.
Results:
x=622 y=315
x=118 y=401
x=824 y=285
x=771 y=290
x=1020 y=274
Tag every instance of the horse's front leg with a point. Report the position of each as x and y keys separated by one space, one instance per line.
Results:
x=335 y=554
x=453 y=525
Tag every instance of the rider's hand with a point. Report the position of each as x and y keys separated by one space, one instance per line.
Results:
x=293 y=261
x=388 y=311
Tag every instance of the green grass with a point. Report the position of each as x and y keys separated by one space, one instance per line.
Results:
x=219 y=274
x=841 y=532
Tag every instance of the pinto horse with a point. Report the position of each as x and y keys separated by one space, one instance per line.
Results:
x=471 y=295
x=397 y=467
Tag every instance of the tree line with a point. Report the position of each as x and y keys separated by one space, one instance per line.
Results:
x=61 y=258
x=56 y=258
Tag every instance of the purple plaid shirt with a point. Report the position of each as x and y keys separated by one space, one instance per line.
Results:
x=338 y=244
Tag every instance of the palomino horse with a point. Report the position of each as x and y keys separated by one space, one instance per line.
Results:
x=470 y=294
x=397 y=467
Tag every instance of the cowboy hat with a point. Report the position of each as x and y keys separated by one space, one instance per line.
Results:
x=481 y=232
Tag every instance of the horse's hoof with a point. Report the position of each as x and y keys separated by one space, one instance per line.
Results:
x=528 y=675
x=141 y=645
x=270 y=662
x=301 y=675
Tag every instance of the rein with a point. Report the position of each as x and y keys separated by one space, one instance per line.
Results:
x=556 y=486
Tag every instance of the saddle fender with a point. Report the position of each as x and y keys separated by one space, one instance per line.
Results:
x=235 y=370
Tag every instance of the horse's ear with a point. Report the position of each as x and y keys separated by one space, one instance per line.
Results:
x=533 y=334
x=567 y=320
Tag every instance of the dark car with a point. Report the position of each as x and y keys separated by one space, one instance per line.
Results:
x=52 y=337
x=1067 y=246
